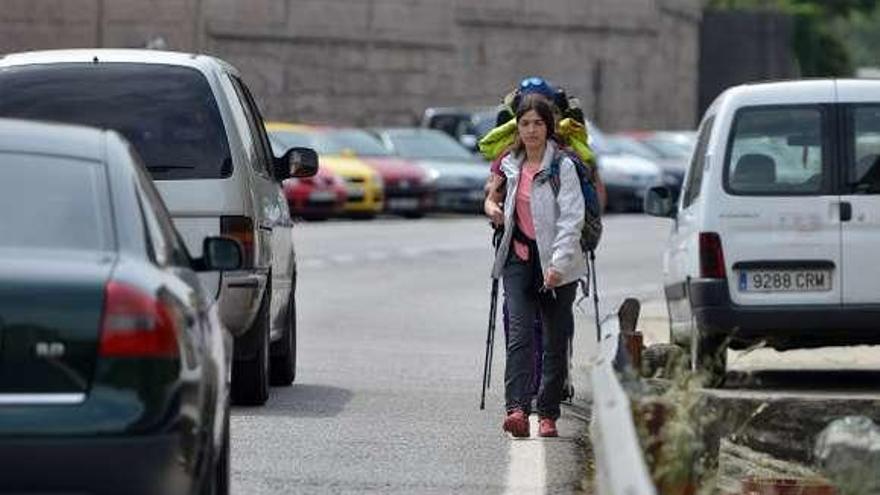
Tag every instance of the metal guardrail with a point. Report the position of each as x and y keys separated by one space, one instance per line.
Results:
x=620 y=464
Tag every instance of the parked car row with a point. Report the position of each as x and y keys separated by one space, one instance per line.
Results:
x=630 y=163
x=147 y=275
x=407 y=172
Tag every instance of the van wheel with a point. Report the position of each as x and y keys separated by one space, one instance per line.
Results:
x=250 y=377
x=283 y=365
x=709 y=356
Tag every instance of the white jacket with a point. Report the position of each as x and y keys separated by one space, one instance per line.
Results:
x=558 y=218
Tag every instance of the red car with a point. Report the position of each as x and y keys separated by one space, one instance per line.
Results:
x=317 y=197
x=408 y=189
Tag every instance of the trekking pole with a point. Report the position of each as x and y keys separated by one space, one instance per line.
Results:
x=493 y=309
x=490 y=334
x=595 y=294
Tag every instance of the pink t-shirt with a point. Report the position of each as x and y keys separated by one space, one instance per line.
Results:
x=524 y=211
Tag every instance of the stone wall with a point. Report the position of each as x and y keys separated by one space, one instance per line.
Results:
x=633 y=63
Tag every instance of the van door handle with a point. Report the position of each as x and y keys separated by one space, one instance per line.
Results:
x=845 y=211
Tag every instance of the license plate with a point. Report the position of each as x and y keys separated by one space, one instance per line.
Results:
x=355 y=191
x=403 y=203
x=784 y=280
x=322 y=196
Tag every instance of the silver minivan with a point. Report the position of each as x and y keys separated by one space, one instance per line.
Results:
x=199 y=131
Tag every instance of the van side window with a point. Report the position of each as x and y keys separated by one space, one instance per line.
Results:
x=776 y=151
x=864 y=168
x=698 y=163
x=263 y=153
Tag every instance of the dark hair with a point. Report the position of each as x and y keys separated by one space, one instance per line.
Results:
x=543 y=107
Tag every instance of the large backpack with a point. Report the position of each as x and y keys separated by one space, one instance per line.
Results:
x=591 y=232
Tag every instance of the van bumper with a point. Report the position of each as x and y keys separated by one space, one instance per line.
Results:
x=781 y=326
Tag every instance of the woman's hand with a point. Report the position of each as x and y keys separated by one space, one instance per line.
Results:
x=552 y=278
x=494 y=196
x=494 y=212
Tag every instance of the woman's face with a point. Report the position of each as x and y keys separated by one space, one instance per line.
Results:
x=532 y=129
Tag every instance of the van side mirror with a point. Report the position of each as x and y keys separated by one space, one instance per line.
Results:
x=219 y=254
x=659 y=202
x=296 y=162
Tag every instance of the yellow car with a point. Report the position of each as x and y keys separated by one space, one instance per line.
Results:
x=365 y=192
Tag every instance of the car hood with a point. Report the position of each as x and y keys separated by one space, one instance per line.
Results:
x=628 y=164
x=443 y=168
x=346 y=166
x=391 y=168
x=674 y=165
x=323 y=179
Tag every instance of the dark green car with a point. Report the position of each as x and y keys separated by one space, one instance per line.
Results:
x=114 y=365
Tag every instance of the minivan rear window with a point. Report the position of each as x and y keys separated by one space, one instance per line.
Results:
x=167 y=112
x=776 y=151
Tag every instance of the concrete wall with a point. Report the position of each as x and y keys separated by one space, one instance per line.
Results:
x=368 y=62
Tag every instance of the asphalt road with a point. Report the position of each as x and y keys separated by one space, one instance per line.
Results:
x=392 y=328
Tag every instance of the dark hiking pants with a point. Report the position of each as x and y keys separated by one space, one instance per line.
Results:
x=522 y=281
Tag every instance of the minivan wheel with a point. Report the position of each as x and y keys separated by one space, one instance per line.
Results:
x=250 y=377
x=283 y=365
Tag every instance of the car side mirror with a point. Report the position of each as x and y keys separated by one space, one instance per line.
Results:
x=659 y=202
x=219 y=254
x=296 y=162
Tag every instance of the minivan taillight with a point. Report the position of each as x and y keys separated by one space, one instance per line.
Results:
x=241 y=229
x=711 y=256
x=136 y=324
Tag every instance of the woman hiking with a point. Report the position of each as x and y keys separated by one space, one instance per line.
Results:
x=539 y=260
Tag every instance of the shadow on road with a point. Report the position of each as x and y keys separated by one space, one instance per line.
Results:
x=302 y=401
x=805 y=379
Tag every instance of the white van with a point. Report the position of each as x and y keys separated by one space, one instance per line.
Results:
x=775 y=232
x=196 y=126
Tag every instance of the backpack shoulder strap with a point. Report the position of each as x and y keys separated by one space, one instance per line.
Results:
x=554 y=171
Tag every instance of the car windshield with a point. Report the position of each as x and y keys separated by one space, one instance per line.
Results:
x=428 y=145
x=63 y=203
x=598 y=141
x=167 y=112
x=349 y=141
x=483 y=122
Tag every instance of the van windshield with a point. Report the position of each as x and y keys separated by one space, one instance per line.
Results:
x=776 y=151
x=167 y=112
